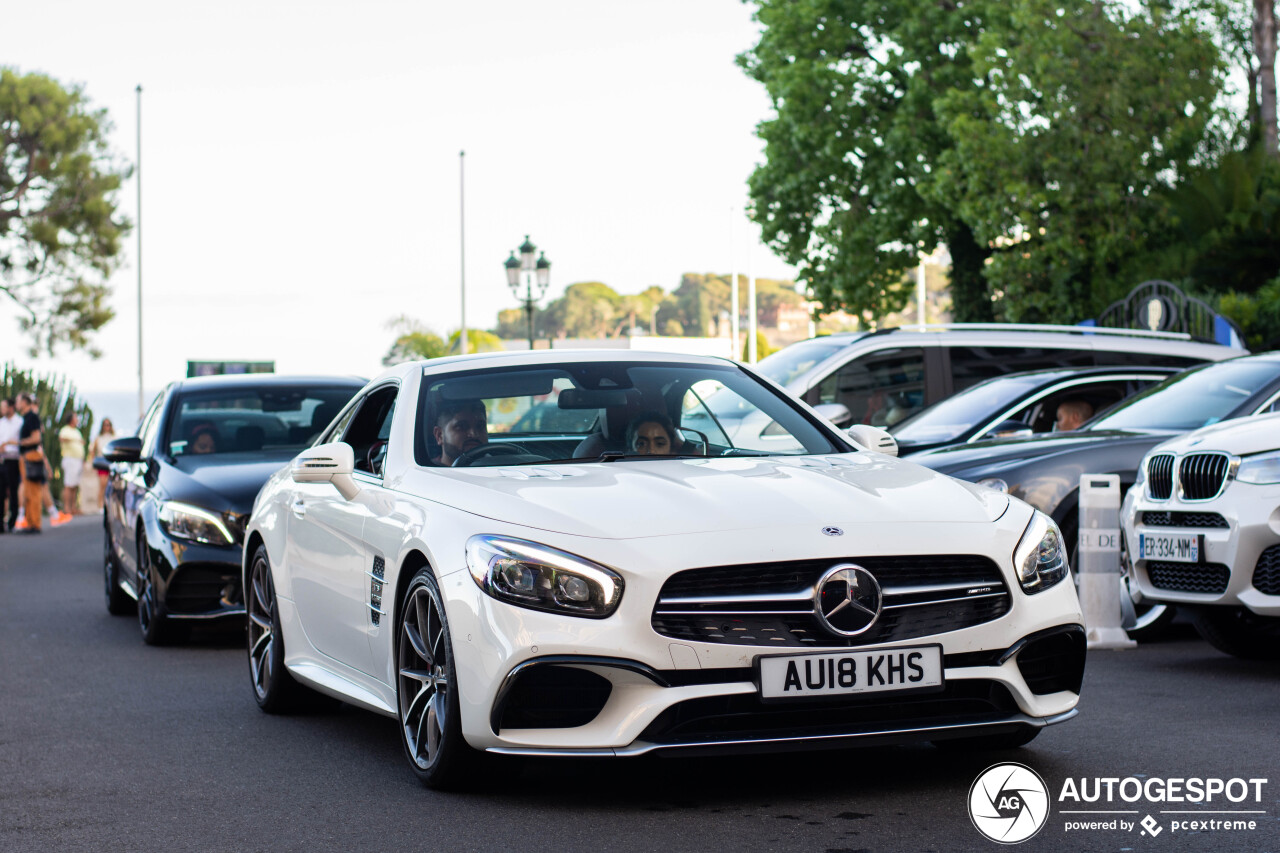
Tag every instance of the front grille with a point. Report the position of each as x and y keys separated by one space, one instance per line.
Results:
x=201 y=589
x=1209 y=578
x=1183 y=519
x=772 y=604
x=1160 y=477
x=746 y=716
x=1201 y=476
x=1266 y=574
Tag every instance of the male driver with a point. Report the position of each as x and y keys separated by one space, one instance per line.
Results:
x=461 y=425
x=1071 y=414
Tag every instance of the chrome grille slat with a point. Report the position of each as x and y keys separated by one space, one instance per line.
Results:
x=1160 y=477
x=922 y=595
x=1202 y=476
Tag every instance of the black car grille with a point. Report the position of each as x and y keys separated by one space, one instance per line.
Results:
x=772 y=604
x=1210 y=578
x=202 y=589
x=1266 y=574
x=746 y=716
x=1183 y=519
x=1160 y=477
x=1202 y=475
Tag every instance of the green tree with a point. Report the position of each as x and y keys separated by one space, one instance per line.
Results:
x=588 y=309
x=1086 y=112
x=855 y=135
x=413 y=342
x=60 y=231
x=700 y=300
x=478 y=340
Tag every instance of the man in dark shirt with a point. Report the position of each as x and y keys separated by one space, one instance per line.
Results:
x=34 y=466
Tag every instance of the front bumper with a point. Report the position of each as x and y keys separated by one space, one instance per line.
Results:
x=652 y=692
x=194 y=581
x=1239 y=559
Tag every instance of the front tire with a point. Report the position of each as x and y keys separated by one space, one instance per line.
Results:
x=273 y=687
x=118 y=601
x=427 y=692
x=152 y=619
x=1239 y=632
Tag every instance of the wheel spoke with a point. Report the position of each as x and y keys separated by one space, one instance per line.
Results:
x=422 y=676
x=259 y=593
x=419 y=648
x=435 y=726
x=260 y=621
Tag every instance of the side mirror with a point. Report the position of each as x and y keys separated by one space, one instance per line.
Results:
x=327 y=463
x=874 y=438
x=123 y=450
x=837 y=413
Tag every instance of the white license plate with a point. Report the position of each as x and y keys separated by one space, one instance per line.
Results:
x=838 y=673
x=1169 y=547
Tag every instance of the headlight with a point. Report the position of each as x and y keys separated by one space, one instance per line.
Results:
x=1261 y=469
x=183 y=521
x=542 y=578
x=1041 y=556
x=1140 y=481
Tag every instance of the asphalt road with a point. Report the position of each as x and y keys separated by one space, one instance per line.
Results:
x=107 y=744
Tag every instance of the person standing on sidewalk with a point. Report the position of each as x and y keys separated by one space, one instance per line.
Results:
x=10 y=472
x=34 y=470
x=106 y=434
x=72 y=443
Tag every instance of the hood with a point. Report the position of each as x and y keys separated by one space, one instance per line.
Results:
x=1241 y=437
x=625 y=500
x=225 y=482
x=996 y=453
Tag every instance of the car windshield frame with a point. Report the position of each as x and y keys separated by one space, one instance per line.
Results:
x=179 y=419
x=1178 y=404
x=644 y=377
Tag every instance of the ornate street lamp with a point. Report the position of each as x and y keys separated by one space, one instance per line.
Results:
x=536 y=272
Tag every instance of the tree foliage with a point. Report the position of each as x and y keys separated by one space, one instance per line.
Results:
x=58 y=399
x=974 y=124
x=60 y=231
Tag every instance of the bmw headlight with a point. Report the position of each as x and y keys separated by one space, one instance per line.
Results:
x=540 y=577
x=1140 y=481
x=1262 y=469
x=183 y=521
x=1041 y=557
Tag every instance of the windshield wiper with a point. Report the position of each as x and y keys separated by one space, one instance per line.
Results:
x=615 y=455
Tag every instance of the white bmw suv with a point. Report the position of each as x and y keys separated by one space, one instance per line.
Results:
x=1202 y=528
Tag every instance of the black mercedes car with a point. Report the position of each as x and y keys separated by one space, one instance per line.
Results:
x=1020 y=404
x=1045 y=471
x=180 y=491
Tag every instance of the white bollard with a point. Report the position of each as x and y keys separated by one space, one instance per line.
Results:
x=1099 y=562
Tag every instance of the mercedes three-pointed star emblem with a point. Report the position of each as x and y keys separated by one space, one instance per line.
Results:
x=848 y=600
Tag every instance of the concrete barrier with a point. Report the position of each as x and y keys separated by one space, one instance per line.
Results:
x=1098 y=557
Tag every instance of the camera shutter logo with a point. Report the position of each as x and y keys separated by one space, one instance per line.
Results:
x=1009 y=803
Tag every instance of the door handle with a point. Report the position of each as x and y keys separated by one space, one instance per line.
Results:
x=299 y=508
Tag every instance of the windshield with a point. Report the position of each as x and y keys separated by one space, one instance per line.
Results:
x=278 y=417
x=600 y=411
x=954 y=416
x=793 y=361
x=1194 y=399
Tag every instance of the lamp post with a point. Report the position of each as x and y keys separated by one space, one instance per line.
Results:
x=535 y=272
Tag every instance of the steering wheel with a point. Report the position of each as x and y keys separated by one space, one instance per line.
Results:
x=488 y=450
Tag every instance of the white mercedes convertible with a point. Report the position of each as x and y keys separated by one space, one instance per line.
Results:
x=537 y=554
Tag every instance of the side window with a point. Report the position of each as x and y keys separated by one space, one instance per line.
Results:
x=973 y=364
x=147 y=428
x=879 y=388
x=370 y=428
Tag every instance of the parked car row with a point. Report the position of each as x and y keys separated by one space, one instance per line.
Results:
x=661 y=553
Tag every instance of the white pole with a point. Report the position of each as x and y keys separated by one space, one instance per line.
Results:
x=751 y=298
x=920 y=290
x=462 y=237
x=138 y=176
x=734 y=308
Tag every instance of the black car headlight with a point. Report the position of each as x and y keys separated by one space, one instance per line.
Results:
x=540 y=577
x=183 y=521
x=1041 y=557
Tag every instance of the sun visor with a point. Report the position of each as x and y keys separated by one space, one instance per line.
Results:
x=530 y=383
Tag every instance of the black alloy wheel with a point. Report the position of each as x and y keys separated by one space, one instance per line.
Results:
x=152 y=619
x=118 y=601
x=273 y=687
x=426 y=688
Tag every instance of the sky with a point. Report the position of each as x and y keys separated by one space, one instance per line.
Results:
x=300 y=164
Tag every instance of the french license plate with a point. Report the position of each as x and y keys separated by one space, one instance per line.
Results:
x=1172 y=548
x=838 y=673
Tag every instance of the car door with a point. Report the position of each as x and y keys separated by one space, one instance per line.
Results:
x=128 y=489
x=326 y=552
